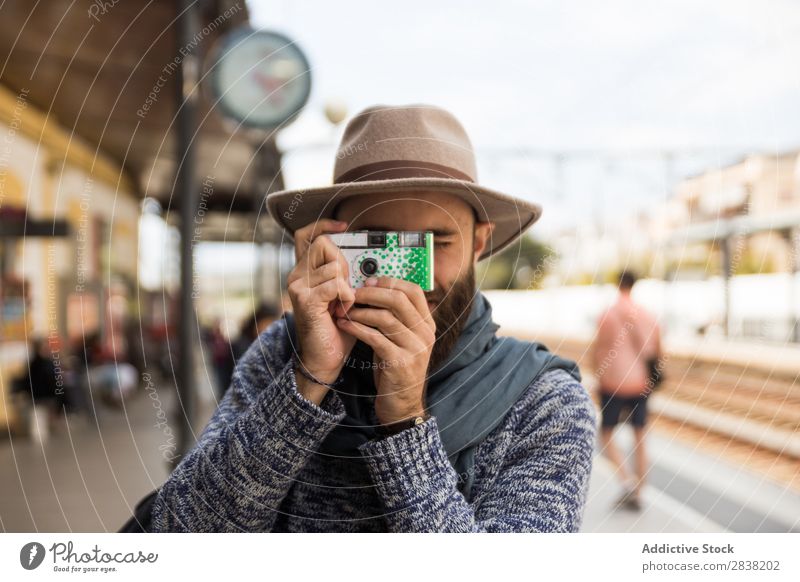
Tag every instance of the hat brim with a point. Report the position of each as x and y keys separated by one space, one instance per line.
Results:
x=293 y=209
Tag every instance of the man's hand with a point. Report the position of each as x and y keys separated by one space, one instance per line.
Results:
x=401 y=332
x=319 y=288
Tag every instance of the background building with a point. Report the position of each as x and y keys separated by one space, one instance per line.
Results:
x=70 y=236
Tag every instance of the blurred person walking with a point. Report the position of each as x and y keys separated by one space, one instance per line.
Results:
x=627 y=336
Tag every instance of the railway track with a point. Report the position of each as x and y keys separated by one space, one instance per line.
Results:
x=747 y=415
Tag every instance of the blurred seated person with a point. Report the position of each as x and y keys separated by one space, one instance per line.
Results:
x=41 y=385
x=253 y=325
x=106 y=372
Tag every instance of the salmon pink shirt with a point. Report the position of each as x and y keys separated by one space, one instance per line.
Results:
x=627 y=335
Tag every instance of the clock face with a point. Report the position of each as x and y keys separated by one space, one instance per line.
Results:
x=260 y=78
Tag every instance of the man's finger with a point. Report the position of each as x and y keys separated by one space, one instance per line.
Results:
x=303 y=237
x=323 y=250
x=333 y=289
x=413 y=291
x=380 y=344
x=412 y=312
x=385 y=321
x=326 y=272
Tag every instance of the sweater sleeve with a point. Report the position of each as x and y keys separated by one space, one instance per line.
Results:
x=248 y=455
x=541 y=486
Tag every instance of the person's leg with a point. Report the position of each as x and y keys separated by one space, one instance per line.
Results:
x=56 y=413
x=90 y=402
x=639 y=421
x=612 y=453
x=221 y=377
x=40 y=423
x=640 y=458
x=610 y=416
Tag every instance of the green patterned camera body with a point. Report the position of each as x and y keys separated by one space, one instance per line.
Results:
x=404 y=254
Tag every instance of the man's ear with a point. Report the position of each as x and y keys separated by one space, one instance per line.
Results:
x=481 y=237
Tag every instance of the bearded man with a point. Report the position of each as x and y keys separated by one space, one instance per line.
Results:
x=386 y=407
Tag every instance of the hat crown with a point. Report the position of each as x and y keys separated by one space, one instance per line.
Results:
x=389 y=142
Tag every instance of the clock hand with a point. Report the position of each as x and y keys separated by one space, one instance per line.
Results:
x=271 y=85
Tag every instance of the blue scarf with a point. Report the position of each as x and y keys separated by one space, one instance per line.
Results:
x=469 y=393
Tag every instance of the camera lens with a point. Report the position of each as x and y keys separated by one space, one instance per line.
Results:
x=369 y=267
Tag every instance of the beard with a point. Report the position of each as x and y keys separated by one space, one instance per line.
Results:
x=450 y=314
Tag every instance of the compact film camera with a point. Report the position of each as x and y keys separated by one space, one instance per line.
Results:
x=406 y=254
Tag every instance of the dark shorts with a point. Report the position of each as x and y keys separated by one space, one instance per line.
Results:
x=612 y=406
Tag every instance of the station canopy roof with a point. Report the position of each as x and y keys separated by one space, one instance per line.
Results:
x=91 y=65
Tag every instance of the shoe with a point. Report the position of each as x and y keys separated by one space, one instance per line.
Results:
x=629 y=500
x=633 y=503
x=623 y=499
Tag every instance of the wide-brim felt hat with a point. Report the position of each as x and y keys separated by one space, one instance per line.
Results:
x=405 y=149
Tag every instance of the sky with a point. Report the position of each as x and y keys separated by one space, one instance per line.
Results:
x=613 y=85
x=622 y=81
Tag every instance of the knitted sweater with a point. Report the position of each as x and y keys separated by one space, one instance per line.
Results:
x=256 y=467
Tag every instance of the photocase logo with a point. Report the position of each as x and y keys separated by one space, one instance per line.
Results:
x=31 y=555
